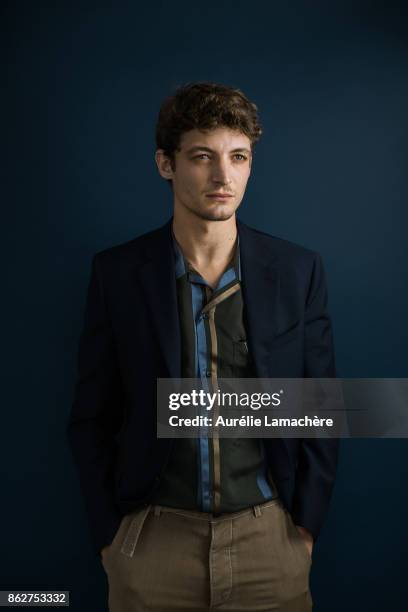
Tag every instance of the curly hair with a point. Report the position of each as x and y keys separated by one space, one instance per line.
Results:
x=204 y=106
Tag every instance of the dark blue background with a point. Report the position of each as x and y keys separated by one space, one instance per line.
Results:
x=84 y=84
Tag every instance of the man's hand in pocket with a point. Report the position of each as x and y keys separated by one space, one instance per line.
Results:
x=307 y=538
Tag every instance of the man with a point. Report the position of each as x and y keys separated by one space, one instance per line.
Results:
x=194 y=524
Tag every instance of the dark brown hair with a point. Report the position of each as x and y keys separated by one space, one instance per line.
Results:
x=204 y=106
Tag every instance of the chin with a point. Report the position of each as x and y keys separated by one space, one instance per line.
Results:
x=221 y=212
x=216 y=216
x=218 y=213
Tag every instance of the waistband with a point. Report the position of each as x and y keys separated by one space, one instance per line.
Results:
x=256 y=510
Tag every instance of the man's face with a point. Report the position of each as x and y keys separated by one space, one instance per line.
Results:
x=207 y=166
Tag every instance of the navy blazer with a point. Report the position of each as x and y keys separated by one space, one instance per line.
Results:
x=131 y=337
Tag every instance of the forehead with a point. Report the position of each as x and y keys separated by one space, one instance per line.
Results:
x=221 y=138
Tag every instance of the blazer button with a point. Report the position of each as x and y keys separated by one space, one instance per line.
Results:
x=208 y=374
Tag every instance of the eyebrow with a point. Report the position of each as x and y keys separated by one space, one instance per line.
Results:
x=198 y=148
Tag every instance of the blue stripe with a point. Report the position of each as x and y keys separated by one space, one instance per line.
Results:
x=261 y=476
x=201 y=345
x=205 y=474
x=201 y=361
x=264 y=486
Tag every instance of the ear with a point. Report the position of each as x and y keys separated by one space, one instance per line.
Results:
x=163 y=164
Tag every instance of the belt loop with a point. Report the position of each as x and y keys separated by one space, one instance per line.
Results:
x=157 y=510
x=135 y=527
x=257 y=511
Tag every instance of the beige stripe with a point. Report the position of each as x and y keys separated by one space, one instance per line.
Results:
x=221 y=297
x=215 y=437
x=210 y=308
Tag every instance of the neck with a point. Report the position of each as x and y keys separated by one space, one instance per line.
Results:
x=205 y=243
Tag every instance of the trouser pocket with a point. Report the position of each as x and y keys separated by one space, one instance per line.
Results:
x=297 y=539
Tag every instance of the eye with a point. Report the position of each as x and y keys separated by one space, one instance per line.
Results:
x=240 y=156
x=202 y=156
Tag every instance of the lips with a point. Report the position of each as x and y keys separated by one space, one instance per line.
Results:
x=219 y=195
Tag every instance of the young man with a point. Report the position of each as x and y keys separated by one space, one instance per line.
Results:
x=197 y=524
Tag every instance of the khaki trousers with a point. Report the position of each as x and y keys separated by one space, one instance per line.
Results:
x=166 y=559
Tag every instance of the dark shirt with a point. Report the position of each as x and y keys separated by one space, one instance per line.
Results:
x=207 y=473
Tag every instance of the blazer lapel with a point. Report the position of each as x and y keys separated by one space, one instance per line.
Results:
x=260 y=286
x=158 y=279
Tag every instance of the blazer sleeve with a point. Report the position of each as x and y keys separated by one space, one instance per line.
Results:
x=317 y=459
x=96 y=414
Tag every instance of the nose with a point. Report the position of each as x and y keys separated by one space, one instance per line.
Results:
x=221 y=172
